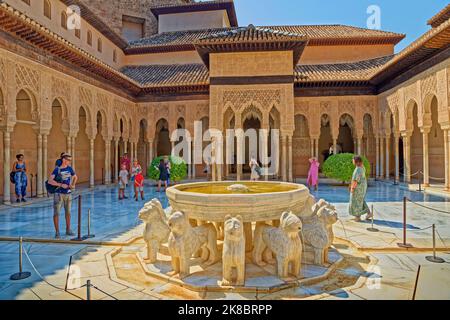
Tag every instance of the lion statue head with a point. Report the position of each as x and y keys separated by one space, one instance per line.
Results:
x=178 y=223
x=152 y=211
x=234 y=228
x=290 y=223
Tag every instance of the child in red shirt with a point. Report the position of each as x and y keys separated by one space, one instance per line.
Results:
x=139 y=185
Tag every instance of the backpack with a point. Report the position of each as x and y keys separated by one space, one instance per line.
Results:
x=12 y=176
x=50 y=188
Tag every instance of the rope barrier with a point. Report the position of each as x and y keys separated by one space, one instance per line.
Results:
x=429 y=208
x=439 y=235
x=93 y=286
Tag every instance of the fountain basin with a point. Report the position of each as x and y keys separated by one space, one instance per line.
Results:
x=258 y=201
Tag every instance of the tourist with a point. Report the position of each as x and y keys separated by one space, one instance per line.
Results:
x=163 y=176
x=254 y=167
x=125 y=161
x=313 y=173
x=207 y=168
x=139 y=185
x=123 y=181
x=168 y=167
x=20 y=178
x=65 y=179
x=135 y=170
x=358 y=189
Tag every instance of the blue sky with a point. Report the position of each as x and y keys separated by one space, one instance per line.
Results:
x=403 y=16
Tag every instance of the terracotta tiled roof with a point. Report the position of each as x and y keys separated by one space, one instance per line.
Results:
x=440 y=17
x=227 y=5
x=317 y=34
x=353 y=71
x=168 y=75
x=250 y=33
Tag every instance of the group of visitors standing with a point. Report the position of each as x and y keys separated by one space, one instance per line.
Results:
x=136 y=175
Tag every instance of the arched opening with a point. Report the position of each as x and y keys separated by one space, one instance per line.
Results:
x=301 y=146
x=251 y=124
x=57 y=138
x=47 y=9
x=23 y=137
x=347 y=135
x=325 y=139
x=142 y=146
x=163 y=145
x=416 y=141
x=436 y=149
x=82 y=146
x=99 y=149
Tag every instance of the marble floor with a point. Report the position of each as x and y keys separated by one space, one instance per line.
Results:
x=114 y=220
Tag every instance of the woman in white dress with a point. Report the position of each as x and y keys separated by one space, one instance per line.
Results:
x=254 y=166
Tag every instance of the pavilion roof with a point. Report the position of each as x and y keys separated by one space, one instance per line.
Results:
x=440 y=17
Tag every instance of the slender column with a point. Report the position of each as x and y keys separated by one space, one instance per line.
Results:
x=150 y=153
x=381 y=157
x=317 y=149
x=359 y=140
x=239 y=143
x=107 y=162
x=73 y=152
x=265 y=152
x=388 y=155
x=377 y=157
x=290 y=171
x=283 y=158
x=135 y=150
x=39 y=168
x=447 y=160
x=6 y=167
x=44 y=159
x=132 y=151
x=334 y=146
x=397 y=157
x=172 y=147
x=407 y=157
x=116 y=160
x=91 y=164
x=69 y=145
x=312 y=147
x=189 y=158
x=426 y=163
x=125 y=147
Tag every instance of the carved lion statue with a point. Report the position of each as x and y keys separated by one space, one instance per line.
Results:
x=284 y=241
x=233 y=253
x=318 y=230
x=156 y=230
x=185 y=240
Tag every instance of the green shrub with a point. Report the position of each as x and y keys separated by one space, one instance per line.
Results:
x=178 y=168
x=340 y=167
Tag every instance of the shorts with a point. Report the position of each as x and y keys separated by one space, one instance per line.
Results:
x=122 y=186
x=60 y=199
x=139 y=188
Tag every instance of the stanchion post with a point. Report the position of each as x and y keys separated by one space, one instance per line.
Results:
x=89 y=235
x=434 y=258
x=79 y=238
x=31 y=186
x=372 y=229
x=404 y=244
x=88 y=290
x=20 y=275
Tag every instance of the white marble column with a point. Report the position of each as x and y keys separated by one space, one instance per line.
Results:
x=426 y=163
x=239 y=155
x=311 y=143
x=107 y=162
x=91 y=163
x=377 y=164
x=334 y=146
x=265 y=152
x=116 y=160
x=317 y=149
x=283 y=158
x=447 y=159
x=289 y=161
x=397 y=157
x=44 y=160
x=388 y=155
x=150 y=153
x=407 y=158
x=74 y=158
x=40 y=180
x=6 y=167
x=359 y=142
x=382 y=157
x=125 y=147
x=69 y=145
x=132 y=151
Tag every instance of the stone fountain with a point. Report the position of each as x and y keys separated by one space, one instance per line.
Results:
x=244 y=236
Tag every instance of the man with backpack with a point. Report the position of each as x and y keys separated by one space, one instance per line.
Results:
x=64 y=179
